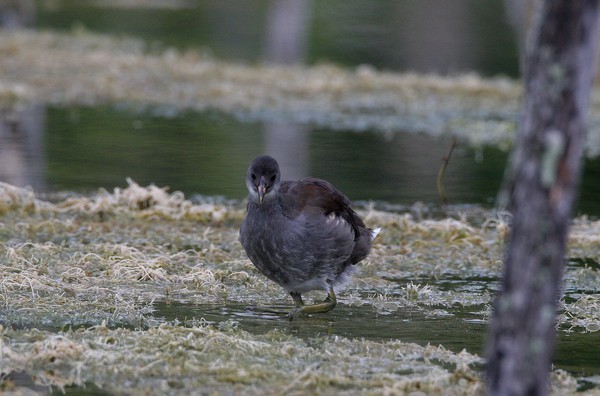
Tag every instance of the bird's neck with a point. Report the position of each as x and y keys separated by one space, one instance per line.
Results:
x=267 y=205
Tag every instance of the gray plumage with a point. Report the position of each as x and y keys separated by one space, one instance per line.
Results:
x=303 y=235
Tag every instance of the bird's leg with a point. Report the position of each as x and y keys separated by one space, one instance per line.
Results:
x=299 y=304
x=327 y=305
x=297 y=299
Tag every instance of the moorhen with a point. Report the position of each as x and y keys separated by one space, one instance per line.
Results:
x=302 y=234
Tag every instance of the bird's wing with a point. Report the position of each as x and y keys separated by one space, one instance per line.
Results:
x=317 y=196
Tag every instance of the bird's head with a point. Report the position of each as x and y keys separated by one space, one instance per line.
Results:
x=263 y=179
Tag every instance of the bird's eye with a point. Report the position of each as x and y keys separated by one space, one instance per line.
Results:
x=253 y=176
x=273 y=178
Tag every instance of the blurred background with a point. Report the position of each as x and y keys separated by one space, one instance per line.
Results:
x=84 y=148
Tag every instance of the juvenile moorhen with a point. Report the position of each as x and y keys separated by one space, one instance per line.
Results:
x=302 y=234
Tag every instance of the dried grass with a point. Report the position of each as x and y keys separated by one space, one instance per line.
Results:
x=105 y=259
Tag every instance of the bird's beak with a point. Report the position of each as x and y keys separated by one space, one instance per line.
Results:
x=262 y=189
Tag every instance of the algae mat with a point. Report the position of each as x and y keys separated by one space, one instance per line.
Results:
x=82 y=276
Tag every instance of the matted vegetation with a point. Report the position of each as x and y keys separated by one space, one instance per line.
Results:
x=87 y=69
x=88 y=270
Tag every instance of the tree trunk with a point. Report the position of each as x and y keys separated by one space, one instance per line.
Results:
x=544 y=179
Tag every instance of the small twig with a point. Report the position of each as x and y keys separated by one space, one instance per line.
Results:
x=442 y=174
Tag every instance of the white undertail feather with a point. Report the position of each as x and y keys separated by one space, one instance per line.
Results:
x=375 y=232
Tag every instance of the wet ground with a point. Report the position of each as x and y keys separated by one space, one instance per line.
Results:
x=142 y=284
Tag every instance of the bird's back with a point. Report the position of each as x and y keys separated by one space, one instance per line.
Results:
x=319 y=197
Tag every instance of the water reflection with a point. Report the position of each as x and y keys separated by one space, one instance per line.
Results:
x=289 y=143
x=83 y=149
x=17 y=14
x=452 y=46
x=287 y=28
x=22 y=151
x=287 y=43
x=208 y=153
x=410 y=325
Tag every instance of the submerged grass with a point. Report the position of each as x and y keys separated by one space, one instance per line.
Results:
x=88 y=269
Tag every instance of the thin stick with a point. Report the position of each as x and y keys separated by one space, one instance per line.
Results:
x=442 y=174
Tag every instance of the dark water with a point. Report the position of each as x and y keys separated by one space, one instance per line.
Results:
x=83 y=149
x=444 y=37
x=208 y=154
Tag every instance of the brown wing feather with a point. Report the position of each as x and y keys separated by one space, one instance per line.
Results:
x=318 y=196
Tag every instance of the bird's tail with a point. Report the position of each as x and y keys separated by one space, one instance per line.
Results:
x=375 y=232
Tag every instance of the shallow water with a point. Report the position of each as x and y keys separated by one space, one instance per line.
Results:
x=413 y=325
x=456 y=328
x=462 y=328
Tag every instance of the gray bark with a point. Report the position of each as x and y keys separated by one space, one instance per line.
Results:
x=545 y=174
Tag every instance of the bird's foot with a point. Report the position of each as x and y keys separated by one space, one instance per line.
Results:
x=327 y=305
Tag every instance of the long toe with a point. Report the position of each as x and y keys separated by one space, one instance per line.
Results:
x=323 y=307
